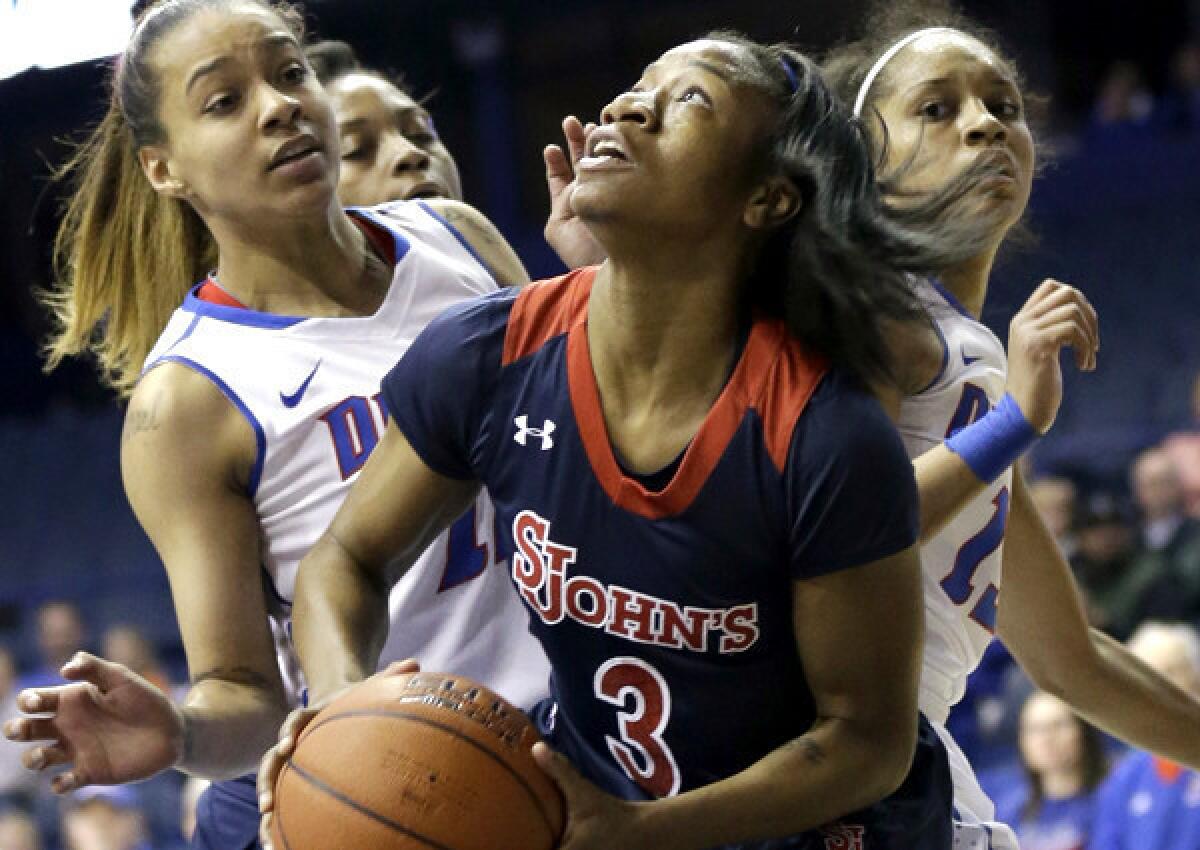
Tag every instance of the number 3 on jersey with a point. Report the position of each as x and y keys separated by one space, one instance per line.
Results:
x=641 y=694
x=959 y=584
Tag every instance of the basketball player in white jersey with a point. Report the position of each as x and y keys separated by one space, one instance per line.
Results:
x=259 y=401
x=950 y=107
x=957 y=144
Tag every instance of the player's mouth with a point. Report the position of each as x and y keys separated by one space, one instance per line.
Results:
x=295 y=151
x=605 y=150
x=425 y=190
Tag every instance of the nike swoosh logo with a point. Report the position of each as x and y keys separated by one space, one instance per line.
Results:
x=294 y=399
x=968 y=360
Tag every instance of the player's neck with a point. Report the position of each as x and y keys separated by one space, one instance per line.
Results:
x=662 y=349
x=1061 y=784
x=968 y=281
x=318 y=268
x=660 y=325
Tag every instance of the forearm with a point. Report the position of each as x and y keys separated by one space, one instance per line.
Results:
x=944 y=484
x=227 y=727
x=1118 y=693
x=339 y=619
x=836 y=768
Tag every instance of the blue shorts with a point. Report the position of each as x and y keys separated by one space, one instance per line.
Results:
x=227 y=816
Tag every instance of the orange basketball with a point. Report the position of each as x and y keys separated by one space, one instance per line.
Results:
x=413 y=762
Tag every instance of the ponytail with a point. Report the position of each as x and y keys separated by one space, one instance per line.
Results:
x=124 y=257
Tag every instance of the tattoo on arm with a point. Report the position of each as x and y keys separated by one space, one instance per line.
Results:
x=809 y=749
x=464 y=222
x=139 y=420
x=233 y=675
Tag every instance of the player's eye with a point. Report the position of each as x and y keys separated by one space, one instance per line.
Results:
x=220 y=103
x=695 y=94
x=934 y=110
x=294 y=73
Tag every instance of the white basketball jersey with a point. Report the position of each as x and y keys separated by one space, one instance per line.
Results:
x=309 y=387
x=961 y=565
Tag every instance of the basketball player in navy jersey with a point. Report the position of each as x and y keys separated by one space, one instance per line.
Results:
x=255 y=403
x=710 y=521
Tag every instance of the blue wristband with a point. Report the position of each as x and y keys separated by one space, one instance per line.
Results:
x=994 y=443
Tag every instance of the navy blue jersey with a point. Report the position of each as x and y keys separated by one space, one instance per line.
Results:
x=666 y=615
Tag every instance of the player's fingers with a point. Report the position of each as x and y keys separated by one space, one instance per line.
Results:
x=38 y=700
x=397 y=668
x=264 y=832
x=268 y=771
x=105 y=675
x=68 y=781
x=31 y=729
x=560 y=770
x=1070 y=313
x=1066 y=334
x=558 y=169
x=39 y=758
x=576 y=136
x=1044 y=290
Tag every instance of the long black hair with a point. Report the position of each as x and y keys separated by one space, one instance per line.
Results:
x=838 y=271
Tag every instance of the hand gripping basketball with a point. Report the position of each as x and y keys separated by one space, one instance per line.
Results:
x=411 y=761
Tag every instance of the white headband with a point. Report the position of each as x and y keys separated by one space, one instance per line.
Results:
x=887 y=56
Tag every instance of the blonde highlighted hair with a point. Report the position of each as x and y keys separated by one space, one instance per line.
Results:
x=125 y=256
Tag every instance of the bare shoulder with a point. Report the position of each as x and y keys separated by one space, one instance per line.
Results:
x=178 y=416
x=487 y=241
x=916 y=351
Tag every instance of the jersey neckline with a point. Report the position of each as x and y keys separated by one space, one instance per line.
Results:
x=706 y=447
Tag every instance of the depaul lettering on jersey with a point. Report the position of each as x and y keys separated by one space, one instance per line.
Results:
x=540 y=568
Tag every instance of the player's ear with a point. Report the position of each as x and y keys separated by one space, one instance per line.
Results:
x=773 y=202
x=161 y=172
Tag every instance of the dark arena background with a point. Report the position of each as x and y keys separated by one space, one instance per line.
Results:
x=1115 y=211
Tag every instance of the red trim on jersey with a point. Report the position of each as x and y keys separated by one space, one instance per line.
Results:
x=212 y=292
x=794 y=375
x=381 y=240
x=544 y=310
x=1167 y=771
x=773 y=376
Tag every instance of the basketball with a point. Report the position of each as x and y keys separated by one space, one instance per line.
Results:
x=413 y=762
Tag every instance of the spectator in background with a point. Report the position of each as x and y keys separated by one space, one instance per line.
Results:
x=60 y=634
x=16 y=783
x=124 y=644
x=104 y=818
x=1064 y=762
x=1123 y=108
x=18 y=831
x=1149 y=802
x=1104 y=550
x=1184 y=449
x=1056 y=498
x=1168 y=559
x=1179 y=110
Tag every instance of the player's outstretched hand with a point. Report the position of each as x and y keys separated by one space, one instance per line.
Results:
x=566 y=234
x=1055 y=317
x=272 y=763
x=108 y=726
x=595 y=820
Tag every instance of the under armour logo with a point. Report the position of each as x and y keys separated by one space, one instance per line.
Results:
x=543 y=433
x=839 y=836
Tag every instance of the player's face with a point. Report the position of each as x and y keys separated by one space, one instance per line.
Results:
x=950 y=102
x=1050 y=737
x=250 y=131
x=676 y=148
x=390 y=149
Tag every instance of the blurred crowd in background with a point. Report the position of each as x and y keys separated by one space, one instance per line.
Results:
x=1118 y=480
